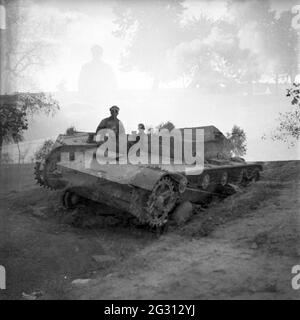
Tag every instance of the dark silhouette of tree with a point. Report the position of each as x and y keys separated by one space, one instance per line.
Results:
x=152 y=28
x=13 y=122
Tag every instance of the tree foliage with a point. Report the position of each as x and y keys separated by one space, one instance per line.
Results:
x=37 y=103
x=288 y=129
x=29 y=43
x=15 y=110
x=13 y=122
x=237 y=145
x=166 y=125
x=151 y=29
x=251 y=43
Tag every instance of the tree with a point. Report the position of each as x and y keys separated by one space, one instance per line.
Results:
x=213 y=57
x=151 y=29
x=13 y=122
x=23 y=153
x=15 y=110
x=237 y=141
x=29 y=43
x=17 y=138
x=282 y=48
x=235 y=63
x=270 y=38
x=288 y=129
x=166 y=125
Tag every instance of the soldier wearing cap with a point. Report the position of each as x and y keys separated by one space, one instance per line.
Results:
x=141 y=129
x=112 y=122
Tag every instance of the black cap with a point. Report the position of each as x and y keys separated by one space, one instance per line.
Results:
x=114 y=107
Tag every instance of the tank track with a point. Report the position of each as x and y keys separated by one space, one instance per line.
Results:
x=38 y=175
x=149 y=207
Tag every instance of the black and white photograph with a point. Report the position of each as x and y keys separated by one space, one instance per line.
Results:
x=149 y=151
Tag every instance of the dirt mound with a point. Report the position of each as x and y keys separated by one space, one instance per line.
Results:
x=276 y=176
x=281 y=171
x=219 y=211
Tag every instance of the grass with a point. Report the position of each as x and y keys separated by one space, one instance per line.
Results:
x=238 y=205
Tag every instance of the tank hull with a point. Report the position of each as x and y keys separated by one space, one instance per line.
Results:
x=148 y=192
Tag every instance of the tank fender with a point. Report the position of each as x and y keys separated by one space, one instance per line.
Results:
x=148 y=177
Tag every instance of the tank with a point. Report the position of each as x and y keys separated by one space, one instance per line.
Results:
x=148 y=192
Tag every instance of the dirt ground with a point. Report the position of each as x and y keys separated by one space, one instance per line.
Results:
x=242 y=247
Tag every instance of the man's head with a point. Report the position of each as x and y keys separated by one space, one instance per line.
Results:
x=97 y=52
x=141 y=127
x=114 y=110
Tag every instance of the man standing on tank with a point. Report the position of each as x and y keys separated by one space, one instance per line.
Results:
x=112 y=122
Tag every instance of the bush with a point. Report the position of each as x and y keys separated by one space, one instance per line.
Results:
x=237 y=142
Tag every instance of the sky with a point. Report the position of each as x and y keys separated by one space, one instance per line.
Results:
x=91 y=22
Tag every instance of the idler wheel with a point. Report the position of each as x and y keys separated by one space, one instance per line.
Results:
x=224 y=179
x=205 y=181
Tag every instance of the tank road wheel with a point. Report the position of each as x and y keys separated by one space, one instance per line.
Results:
x=241 y=176
x=224 y=179
x=255 y=175
x=205 y=181
x=160 y=202
x=70 y=199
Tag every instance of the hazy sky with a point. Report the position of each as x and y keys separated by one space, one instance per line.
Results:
x=92 y=23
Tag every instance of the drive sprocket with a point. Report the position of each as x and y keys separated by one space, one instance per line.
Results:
x=45 y=168
x=161 y=201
